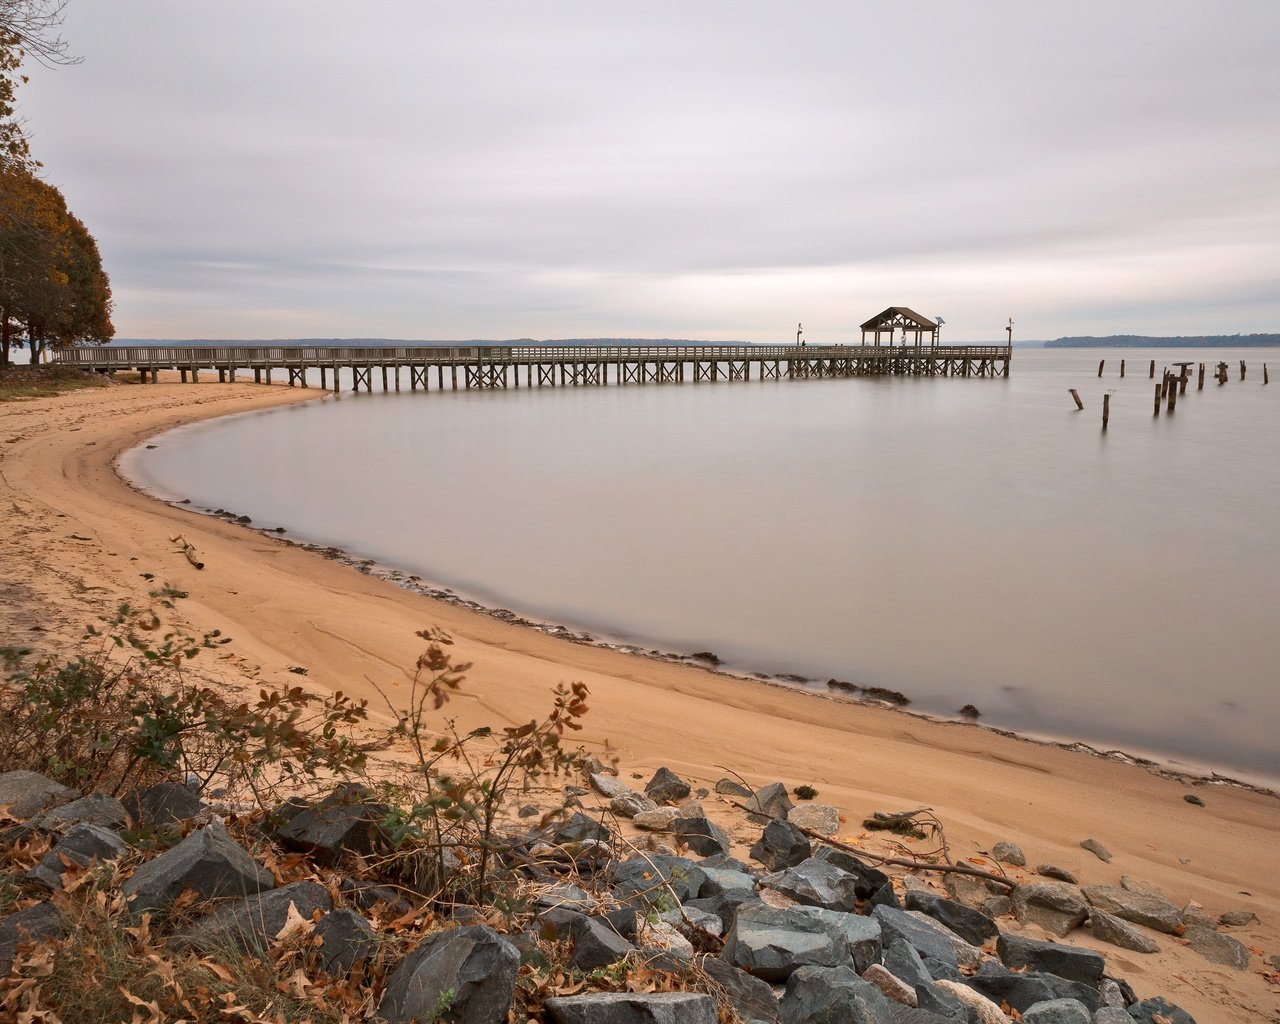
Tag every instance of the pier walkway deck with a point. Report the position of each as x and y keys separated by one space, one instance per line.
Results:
x=513 y=366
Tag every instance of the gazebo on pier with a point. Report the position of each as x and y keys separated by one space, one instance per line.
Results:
x=900 y=317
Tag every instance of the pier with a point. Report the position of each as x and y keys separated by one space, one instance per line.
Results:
x=430 y=367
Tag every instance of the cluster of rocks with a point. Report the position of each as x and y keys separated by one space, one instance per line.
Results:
x=800 y=935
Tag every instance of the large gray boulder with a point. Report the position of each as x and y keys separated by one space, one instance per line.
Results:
x=252 y=923
x=1070 y=962
x=597 y=943
x=30 y=926
x=832 y=995
x=862 y=934
x=343 y=938
x=1218 y=948
x=725 y=879
x=749 y=995
x=209 y=862
x=769 y=802
x=81 y=846
x=666 y=786
x=609 y=786
x=702 y=835
x=781 y=846
x=931 y=941
x=632 y=1008
x=653 y=880
x=1108 y=928
x=1056 y=907
x=1150 y=911
x=25 y=794
x=1021 y=991
x=100 y=809
x=902 y=961
x=771 y=943
x=163 y=805
x=971 y=925
x=346 y=821
x=463 y=975
x=870 y=881
x=1057 y=1011
x=816 y=883
x=1159 y=1011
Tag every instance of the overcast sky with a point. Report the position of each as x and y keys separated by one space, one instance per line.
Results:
x=695 y=170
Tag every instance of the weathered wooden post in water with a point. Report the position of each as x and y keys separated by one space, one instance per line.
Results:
x=1222 y=373
x=1265 y=378
x=1173 y=393
x=1122 y=369
x=1106 y=409
x=1101 y=364
x=1158 y=397
x=1076 y=395
x=1242 y=369
x=1153 y=370
x=1200 y=386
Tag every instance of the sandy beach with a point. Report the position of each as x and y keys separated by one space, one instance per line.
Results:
x=78 y=539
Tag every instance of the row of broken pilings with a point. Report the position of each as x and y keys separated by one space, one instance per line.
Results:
x=1171 y=385
x=604 y=934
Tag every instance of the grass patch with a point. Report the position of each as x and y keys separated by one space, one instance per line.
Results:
x=23 y=383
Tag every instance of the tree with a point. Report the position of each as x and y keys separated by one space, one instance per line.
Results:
x=35 y=25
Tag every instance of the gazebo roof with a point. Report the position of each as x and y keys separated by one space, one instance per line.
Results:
x=897 y=316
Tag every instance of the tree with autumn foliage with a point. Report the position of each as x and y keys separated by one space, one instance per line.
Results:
x=53 y=289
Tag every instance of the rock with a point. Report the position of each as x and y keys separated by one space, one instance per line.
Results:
x=665 y=786
x=1218 y=948
x=692 y=808
x=1097 y=849
x=25 y=794
x=564 y=894
x=629 y=805
x=1109 y=928
x=727 y=787
x=771 y=944
x=580 y=828
x=646 y=879
x=664 y=937
x=1193 y=916
x=831 y=995
x=752 y=998
x=863 y=934
x=781 y=846
x=724 y=880
x=1055 y=907
x=607 y=785
x=870 y=881
x=1070 y=962
x=1057 y=1011
x=816 y=883
x=28 y=927
x=463 y=975
x=1009 y=853
x=162 y=805
x=346 y=821
x=930 y=940
x=343 y=939
x=768 y=802
x=1113 y=994
x=82 y=846
x=698 y=918
x=902 y=961
x=967 y=954
x=596 y=943
x=99 y=809
x=972 y=892
x=971 y=925
x=1158 y=1011
x=1141 y=887
x=1151 y=911
x=987 y=1011
x=1237 y=918
x=893 y=989
x=1112 y=1015
x=251 y=924
x=1053 y=871
x=997 y=906
x=821 y=818
x=661 y=819
x=632 y=1008
x=703 y=836
x=1191 y=798
x=209 y=862
x=387 y=901
x=723 y=905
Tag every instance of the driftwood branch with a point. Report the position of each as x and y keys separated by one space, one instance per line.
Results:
x=901 y=862
x=188 y=549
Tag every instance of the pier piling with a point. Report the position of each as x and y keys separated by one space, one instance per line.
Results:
x=1106 y=409
x=1076 y=395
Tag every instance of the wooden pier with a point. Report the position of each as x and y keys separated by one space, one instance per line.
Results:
x=426 y=367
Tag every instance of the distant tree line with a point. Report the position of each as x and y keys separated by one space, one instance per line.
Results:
x=1180 y=341
x=53 y=289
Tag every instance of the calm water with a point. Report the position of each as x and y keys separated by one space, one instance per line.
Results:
x=962 y=541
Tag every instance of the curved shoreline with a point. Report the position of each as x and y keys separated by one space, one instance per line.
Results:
x=1163 y=765
x=81 y=540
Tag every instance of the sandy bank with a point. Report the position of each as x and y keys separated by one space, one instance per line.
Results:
x=78 y=540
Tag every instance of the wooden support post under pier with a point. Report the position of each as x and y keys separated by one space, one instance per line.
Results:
x=1106 y=409
x=183 y=375
x=222 y=375
x=1200 y=384
x=1173 y=394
